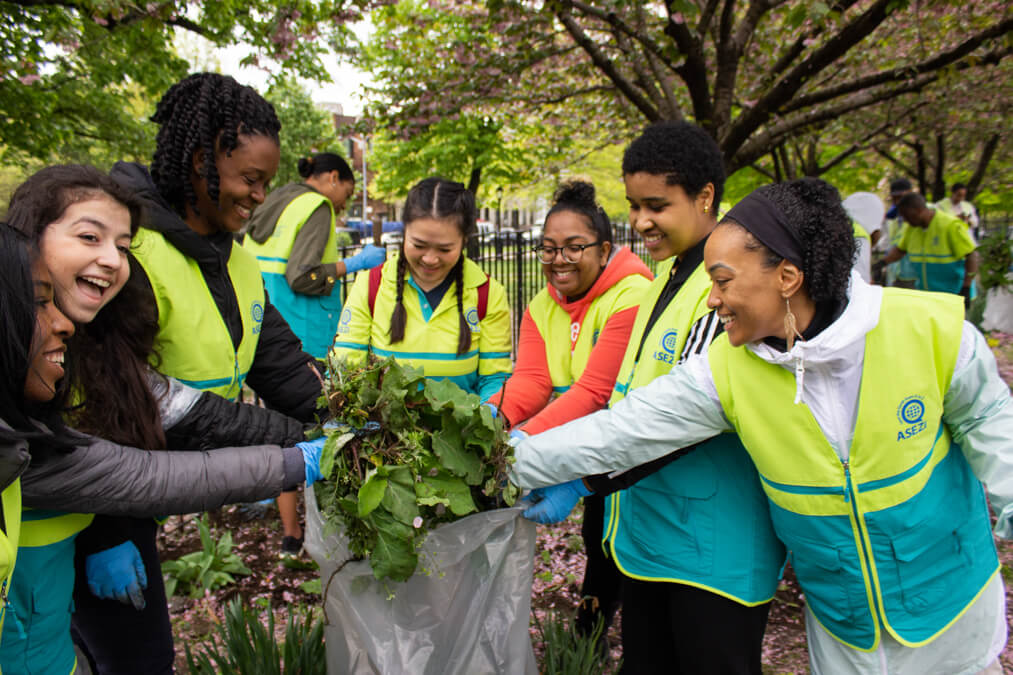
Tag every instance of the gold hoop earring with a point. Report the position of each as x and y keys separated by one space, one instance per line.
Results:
x=706 y=209
x=790 y=326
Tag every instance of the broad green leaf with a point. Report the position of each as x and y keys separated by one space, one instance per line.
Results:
x=394 y=554
x=335 y=442
x=449 y=490
x=449 y=447
x=371 y=494
x=399 y=499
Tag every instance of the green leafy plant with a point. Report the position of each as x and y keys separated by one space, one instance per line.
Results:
x=210 y=568
x=996 y=255
x=567 y=652
x=245 y=646
x=437 y=456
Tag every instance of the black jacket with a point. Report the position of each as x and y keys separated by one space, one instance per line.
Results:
x=283 y=375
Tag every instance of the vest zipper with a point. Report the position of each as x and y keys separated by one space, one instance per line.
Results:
x=866 y=564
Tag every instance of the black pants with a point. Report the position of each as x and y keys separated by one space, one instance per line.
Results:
x=118 y=639
x=602 y=580
x=673 y=628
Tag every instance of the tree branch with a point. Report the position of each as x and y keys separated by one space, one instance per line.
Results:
x=604 y=64
x=783 y=91
x=904 y=72
x=729 y=52
x=905 y=168
x=693 y=70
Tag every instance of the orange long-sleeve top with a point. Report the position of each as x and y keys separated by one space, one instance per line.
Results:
x=525 y=399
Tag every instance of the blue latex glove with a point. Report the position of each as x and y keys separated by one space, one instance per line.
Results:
x=311 y=458
x=118 y=574
x=493 y=409
x=369 y=256
x=516 y=436
x=554 y=503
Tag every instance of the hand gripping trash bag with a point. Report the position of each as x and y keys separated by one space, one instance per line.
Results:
x=468 y=616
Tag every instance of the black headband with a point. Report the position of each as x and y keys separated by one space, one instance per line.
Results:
x=764 y=220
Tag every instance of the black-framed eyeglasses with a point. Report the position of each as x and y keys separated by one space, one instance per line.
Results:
x=571 y=252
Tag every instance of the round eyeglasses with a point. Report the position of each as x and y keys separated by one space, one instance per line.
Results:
x=572 y=253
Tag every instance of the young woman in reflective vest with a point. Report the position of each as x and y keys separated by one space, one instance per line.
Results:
x=871 y=415
x=430 y=306
x=571 y=342
x=693 y=538
x=216 y=151
x=82 y=221
x=293 y=237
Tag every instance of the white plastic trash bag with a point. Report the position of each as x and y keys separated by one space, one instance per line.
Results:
x=468 y=616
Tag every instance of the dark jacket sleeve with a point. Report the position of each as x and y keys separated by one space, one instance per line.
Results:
x=286 y=377
x=603 y=485
x=214 y=422
x=106 y=478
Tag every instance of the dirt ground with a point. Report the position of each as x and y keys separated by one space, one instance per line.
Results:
x=559 y=564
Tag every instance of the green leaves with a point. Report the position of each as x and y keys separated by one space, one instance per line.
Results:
x=438 y=455
x=212 y=567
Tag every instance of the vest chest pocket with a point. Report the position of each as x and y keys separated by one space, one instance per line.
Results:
x=831 y=581
x=673 y=512
x=927 y=565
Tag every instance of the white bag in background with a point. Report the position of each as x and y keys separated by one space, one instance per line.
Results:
x=468 y=616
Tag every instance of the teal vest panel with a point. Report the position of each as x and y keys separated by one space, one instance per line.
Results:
x=943 y=277
x=933 y=554
x=314 y=318
x=702 y=520
x=36 y=630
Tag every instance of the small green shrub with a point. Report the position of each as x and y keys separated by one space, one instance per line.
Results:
x=567 y=652
x=208 y=569
x=245 y=646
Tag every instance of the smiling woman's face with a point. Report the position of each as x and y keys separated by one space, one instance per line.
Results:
x=85 y=252
x=243 y=178
x=51 y=329
x=746 y=294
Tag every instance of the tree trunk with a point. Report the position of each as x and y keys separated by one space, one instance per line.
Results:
x=921 y=169
x=939 y=179
x=475 y=180
x=988 y=149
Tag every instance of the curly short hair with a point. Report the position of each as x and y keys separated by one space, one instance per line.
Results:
x=578 y=196
x=205 y=111
x=681 y=151
x=813 y=209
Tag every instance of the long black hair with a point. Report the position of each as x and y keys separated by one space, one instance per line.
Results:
x=204 y=112
x=107 y=359
x=440 y=199
x=17 y=306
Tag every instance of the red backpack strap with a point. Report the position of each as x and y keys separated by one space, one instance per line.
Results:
x=375 y=276
x=483 y=298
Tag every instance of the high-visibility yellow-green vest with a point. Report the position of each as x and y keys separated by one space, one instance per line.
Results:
x=937 y=252
x=314 y=318
x=36 y=635
x=11 y=500
x=896 y=537
x=859 y=231
x=430 y=338
x=702 y=520
x=566 y=365
x=194 y=344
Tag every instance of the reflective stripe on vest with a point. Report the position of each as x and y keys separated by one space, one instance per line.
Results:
x=313 y=318
x=936 y=265
x=430 y=346
x=553 y=323
x=701 y=521
x=194 y=343
x=898 y=535
x=41 y=527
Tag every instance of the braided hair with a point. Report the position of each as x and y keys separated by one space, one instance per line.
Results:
x=204 y=112
x=446 y=200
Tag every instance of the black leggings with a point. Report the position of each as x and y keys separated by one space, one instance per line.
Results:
x=116 y=638
x=674 y=628
x=602 y=580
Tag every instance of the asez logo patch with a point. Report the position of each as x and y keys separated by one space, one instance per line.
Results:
x=910 y=413
x=667 y=352
x=257 y=312
x=471 y=316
